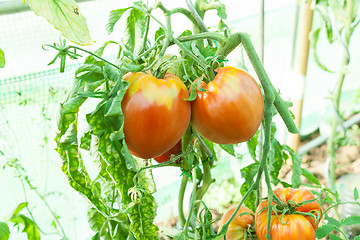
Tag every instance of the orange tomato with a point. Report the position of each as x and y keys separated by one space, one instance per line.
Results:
x=156 y=115
x=290 y=226
x=239 y=224
x=231 y=109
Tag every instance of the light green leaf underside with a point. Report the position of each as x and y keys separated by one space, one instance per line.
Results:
x=64 y=15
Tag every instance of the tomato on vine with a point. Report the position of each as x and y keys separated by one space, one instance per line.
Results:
x=174 y=151
x=230 y=110
x=156 y=115
x=240 y=223
x=297 y=222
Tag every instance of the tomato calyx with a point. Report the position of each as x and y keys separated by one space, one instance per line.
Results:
x=280 y=208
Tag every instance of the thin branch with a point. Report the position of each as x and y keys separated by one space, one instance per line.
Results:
x=198 y=19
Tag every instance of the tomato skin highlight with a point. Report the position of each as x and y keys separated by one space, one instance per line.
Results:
x=239 y=224
x=156 y=115
x=176 y=150
x=231 y=109
x=290 y=226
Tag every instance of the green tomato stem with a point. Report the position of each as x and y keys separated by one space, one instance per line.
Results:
x=181 y=195
x=92 y=54
x=331 y=146
x=188 y=52
x=199 y=20
x=204 y=35
x=270 y=92
x=193 y=199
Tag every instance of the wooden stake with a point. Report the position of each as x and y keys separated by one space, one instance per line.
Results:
x=301 y=54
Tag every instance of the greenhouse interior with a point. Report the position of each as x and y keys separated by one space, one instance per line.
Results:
x=160 y=119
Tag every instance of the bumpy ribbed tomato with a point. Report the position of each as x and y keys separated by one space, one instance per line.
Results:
x=231 y=109
x=156 y=115
x=292 y=226
x=175 y=150
x=239 y=224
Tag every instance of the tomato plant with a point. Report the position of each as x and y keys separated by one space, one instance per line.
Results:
x=296 y=219
x=147 y=115
x=156 y=115
x=237 y=227
x=230 y=110
x=174 y=151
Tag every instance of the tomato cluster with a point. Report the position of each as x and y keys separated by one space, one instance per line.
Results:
x=156 y=113
x=296 y=222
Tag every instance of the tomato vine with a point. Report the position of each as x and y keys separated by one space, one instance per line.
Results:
x=130 y=178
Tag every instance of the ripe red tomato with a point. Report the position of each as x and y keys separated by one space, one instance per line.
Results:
x=239 y=224
x=291 y=226
x=156 y=115
x=175 y=150
x=231 y=109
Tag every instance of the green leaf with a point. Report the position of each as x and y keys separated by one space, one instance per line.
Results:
x=114 y=17
x=30 y=227
x=159 y=35
x=332 y=221
x=314 y=41
x=2 y=59
x=251 y=145
x=310 y=176
x=143 y=216
x=276 y=160
x=334 y=237
x=210 y=145
x=356 y=194
x=20 y=207
x=357 y=238
x=324 y=230
x=323 y=9
x=135 y=20
x=228 y=148
x=67 y=143
x=222 y=26
x=4 y=231
x=119 y=224
x=351 y=220
x=221 y=11
x=64 y=15
x=85 y=141
x=296 y=167
x=205 y=226
x=99 y=52
x=193 y=94
x=248 y=173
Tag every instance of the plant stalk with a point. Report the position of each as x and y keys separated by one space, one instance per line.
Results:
x=332 y=144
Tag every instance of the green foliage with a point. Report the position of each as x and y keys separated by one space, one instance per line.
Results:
x=221 y=10
x=4 y=231
x=116 y=163
x=114 y=17
x=248 y=173
x=26 y=224
x=314 y=40
x=228 y=148
x=116 y=227
x=335 y=225
x=64 y=15
x=136 y=19
x=29 y=227
x=2 y=59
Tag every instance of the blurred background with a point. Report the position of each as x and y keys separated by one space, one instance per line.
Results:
x=30 y=93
